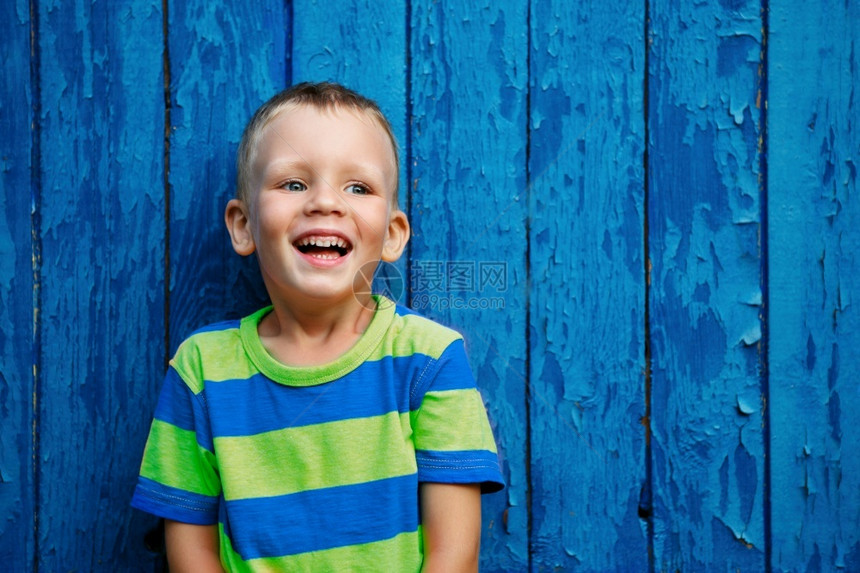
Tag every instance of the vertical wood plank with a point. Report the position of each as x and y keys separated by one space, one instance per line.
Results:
x=703 y=216
x=361 y=44
x=225 y=60
x=468 y=196
x=814 y=241
x=17 y=537
x=587 y=271
x=102 y=232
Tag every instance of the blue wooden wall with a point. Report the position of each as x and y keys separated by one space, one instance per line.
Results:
x=652 y=207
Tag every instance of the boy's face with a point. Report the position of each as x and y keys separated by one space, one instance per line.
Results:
x=321 y=209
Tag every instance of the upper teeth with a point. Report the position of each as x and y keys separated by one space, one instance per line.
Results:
x=323 y=242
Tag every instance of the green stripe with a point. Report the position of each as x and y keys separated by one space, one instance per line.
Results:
x=455 y=425
x=402 y=553
x=222 y=353
x=417 y=335
x=346 y=454
x=184 y=465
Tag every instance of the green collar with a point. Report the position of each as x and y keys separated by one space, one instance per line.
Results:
x=313 y=375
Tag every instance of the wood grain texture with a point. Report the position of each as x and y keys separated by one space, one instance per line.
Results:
x=814 y=241
x=17 y=384
x=225 y=61
x=102 y=229
x=468 y=197
x=703 y=216
x=587 y=271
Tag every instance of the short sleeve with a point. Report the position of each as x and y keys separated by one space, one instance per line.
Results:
x=453 y=439
x=178 y=476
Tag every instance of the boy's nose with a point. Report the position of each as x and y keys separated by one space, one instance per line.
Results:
x=325 y=199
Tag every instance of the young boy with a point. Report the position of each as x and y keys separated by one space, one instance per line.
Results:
x=332 y=431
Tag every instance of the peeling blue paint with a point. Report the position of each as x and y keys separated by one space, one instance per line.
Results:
x=810 y=352
x=100 y=222
x=705 y=252
x=586 y=242
x=744 y=407
x=18 y=278
x=814 y=214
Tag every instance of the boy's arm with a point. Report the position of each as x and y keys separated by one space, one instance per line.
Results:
x=451 y=519
x=192 y=548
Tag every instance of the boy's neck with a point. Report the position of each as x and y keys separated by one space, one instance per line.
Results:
x=311 y=337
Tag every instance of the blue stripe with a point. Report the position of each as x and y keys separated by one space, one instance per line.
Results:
x=178 y=405
x=400 y=310
x=176 y=402
x=177 y=504
x=469 y=466
x=257 y=404
x=454 y=370
x=322 y=519
x=223 y=325
x=450 y=372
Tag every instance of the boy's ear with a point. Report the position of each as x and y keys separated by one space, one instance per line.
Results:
x=396 y=236
x=239 y=227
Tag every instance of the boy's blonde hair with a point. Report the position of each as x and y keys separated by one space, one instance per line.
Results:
x=323 y=95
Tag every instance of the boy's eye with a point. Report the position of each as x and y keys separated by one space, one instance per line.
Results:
x=357 y=189
x=294 y=186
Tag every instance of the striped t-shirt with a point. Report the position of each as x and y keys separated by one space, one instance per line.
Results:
x=316 y=468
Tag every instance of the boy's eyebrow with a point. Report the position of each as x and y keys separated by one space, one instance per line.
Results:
x=283 y=165
x=330 y=186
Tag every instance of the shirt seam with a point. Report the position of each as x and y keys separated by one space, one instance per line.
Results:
x=177 y=501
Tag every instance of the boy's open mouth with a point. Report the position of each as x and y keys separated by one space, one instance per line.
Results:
x=323 y=247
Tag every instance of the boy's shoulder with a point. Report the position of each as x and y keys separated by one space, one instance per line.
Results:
x=418 y=334
x=211 y=335
x=213 y=352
